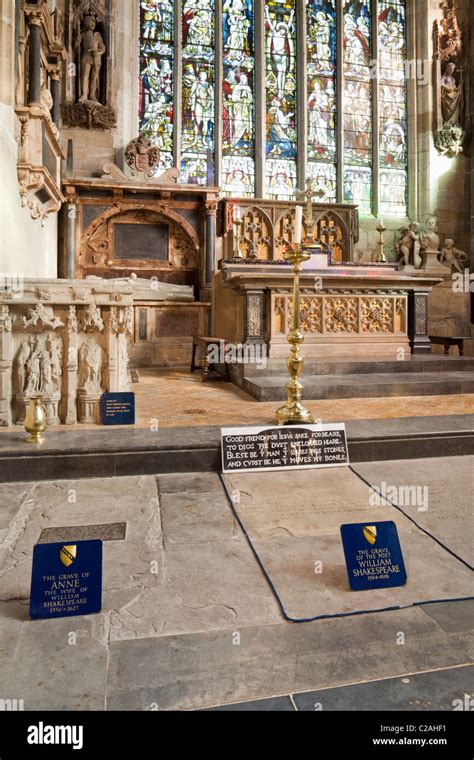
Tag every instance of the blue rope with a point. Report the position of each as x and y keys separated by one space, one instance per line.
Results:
x=336 y=614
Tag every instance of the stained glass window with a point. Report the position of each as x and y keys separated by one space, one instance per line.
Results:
x=357 y=104
x=393 y=108
x=198 y=98
x=321 y=104
x=156 y=75
x=280 y=82
x=255 y=98
x=238 y=112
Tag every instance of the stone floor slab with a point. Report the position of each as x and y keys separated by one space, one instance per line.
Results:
x=439 y=690
x=449 y=484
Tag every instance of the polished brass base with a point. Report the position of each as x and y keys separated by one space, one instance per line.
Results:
x=35 y=438
x=35 y=422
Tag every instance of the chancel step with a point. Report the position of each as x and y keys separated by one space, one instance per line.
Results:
x=326 y=380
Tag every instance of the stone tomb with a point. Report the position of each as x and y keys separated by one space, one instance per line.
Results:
x=66 y=340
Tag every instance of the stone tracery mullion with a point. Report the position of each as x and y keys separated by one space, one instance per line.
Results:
x=178 y=82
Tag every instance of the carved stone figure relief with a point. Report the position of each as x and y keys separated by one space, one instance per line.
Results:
x=449 y=84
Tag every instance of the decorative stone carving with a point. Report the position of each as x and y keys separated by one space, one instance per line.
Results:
x=341 y=315
x=141 y=156
x=92 y=320
x=44 y=316
x=90 y=367
x=377 y=315
x=6 y=319
x=90 y=115
x=449 y=134
x=453 y=257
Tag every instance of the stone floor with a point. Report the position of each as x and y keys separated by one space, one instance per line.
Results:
x=188 y=620
x=177 y=398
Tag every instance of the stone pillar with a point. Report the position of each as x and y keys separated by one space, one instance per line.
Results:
x=56 y=94
x=34 y=60
x=418 y=322
x=210 y=256
x=6 y=364
x=71 y=367
x=71 y=214
x=211 y=212
x=112 y=351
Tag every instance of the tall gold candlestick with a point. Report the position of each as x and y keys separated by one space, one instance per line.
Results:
x=381 y=258
x=294 y=413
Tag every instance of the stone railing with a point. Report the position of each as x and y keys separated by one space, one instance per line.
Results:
x=66 y=341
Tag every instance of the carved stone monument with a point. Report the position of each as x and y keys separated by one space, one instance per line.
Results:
x=65 y=340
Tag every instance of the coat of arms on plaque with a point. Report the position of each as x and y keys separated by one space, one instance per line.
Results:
x=142 y=156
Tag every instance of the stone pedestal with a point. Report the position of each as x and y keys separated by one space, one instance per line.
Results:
x=432 y=265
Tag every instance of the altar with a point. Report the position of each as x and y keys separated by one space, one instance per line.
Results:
x=347 y=309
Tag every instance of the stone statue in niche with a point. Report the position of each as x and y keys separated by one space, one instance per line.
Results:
x=90 y=49
x=90 y=367
x=409 y=246
x=453 y=257
x=448 y=47
x=451 y=96
x=89 y=109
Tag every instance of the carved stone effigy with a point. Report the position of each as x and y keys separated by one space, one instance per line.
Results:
x=70 y=350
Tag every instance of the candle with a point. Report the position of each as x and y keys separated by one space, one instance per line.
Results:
x=298 y=225
x=237 y=213
x=381 y=223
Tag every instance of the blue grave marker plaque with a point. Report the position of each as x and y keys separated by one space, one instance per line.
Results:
x=373 y=556
x=66 y=580
x=118 y=409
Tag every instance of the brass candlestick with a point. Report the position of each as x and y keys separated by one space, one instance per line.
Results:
x=35 y=422
x=294 y=413
x=381 y=258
